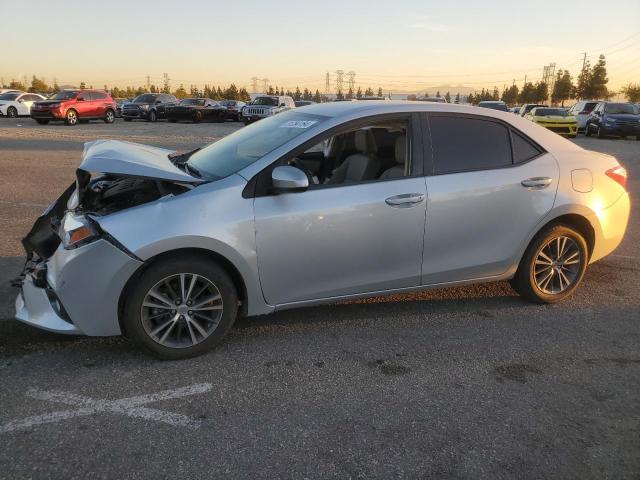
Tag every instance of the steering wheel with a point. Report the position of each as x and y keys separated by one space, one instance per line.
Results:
x=296 y=162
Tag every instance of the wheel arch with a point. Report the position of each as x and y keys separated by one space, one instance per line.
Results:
x=578 y=221
x=225 y=263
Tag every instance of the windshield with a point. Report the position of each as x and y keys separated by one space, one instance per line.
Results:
x=9 y=96
x=144 y=98
x=545 y=112
x=63 y=95
x=242 y=148
x=528 y=108
x=193 y=101
x=272 y=102
x=619 y=108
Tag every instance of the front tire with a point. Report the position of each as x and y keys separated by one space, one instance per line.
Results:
x=599 y=132
x=553 y=265
x=71 y=118
x=181 y=307
x=12 y=112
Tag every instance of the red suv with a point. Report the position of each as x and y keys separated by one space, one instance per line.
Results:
x=73 y=106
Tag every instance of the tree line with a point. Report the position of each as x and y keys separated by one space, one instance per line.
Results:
x=591 y=83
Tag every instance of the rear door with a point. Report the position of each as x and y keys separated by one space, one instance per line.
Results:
x=489 y=188
x=99 y=104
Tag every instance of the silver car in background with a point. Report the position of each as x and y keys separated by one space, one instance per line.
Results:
x=331 y=202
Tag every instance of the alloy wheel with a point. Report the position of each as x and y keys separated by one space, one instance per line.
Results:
x=72 y=118
x=110 y=117
x=12 y=112
x=557 y=265
x=181 y=310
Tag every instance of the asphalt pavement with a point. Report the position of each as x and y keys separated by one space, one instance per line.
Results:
x=459 y=383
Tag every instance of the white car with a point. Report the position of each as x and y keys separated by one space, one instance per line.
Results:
x=17 y=104
x=582 y=111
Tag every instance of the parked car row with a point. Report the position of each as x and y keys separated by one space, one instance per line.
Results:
x=601 y=118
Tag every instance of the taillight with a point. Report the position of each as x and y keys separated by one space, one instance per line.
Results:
x=618 y=174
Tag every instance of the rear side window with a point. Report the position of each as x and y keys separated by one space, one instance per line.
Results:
x=523 y=149
x=98 y=95
x=462 y=143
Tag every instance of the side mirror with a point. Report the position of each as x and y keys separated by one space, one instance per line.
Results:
x=289 y=179
x=282 y=105
x=80 y=99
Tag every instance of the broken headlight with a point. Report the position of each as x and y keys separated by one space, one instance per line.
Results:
x=77 y=231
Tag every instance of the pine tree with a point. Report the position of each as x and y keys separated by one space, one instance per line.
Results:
x=598 y=80
x=380 y=94
x=457 y=100
x=298 y=94
x=562 y=88
x=584 y=80
x=447 y=97
x=317 y=97
x=438 y=94
x=359 y=93
x=632 y=92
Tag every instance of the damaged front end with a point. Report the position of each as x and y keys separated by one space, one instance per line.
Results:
x=70 y=259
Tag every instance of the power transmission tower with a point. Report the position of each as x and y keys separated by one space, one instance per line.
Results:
x=548 y=75
x=148 y=83
x=327 y=84
x=339 y=81
x=265 y=85
x=352 y=80
x=165 y=82
x=254 y=84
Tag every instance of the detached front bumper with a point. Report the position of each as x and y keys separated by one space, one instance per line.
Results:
x=82 y=292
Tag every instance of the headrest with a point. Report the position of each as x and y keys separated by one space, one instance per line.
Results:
x=401 y=149
x=365 y=142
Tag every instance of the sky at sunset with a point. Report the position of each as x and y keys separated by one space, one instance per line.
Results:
x=403 y=46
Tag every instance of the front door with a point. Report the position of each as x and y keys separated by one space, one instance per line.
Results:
x=361 y=235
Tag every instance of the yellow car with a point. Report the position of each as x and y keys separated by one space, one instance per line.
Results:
x=555 y=119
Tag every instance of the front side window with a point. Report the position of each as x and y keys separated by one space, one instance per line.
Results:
x=244 y=147
x=463 y=143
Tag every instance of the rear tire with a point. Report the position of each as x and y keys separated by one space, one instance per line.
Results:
x=109 y=116
x=161 y=285
x=197 y=116
x=71 y=118
x=553 y=265
x=12 y=112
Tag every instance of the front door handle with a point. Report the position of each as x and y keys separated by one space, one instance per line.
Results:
x=537 y=182
x=405 y=200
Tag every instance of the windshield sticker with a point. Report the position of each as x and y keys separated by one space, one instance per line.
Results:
x=298 y=124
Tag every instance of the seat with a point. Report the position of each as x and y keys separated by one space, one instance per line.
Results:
x=362 y=165
x=397 y=171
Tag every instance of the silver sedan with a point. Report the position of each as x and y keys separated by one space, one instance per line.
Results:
x=331 y=202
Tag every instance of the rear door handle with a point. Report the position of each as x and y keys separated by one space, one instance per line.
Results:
x=537 y=182
x=405 y=200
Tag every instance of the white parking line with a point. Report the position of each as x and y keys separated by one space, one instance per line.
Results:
x=131 y=407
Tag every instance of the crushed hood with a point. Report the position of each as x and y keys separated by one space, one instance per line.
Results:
x=132 y=159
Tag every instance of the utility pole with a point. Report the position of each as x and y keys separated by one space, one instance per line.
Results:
x=254 y=84
x=148 y=83
x=327 y=84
